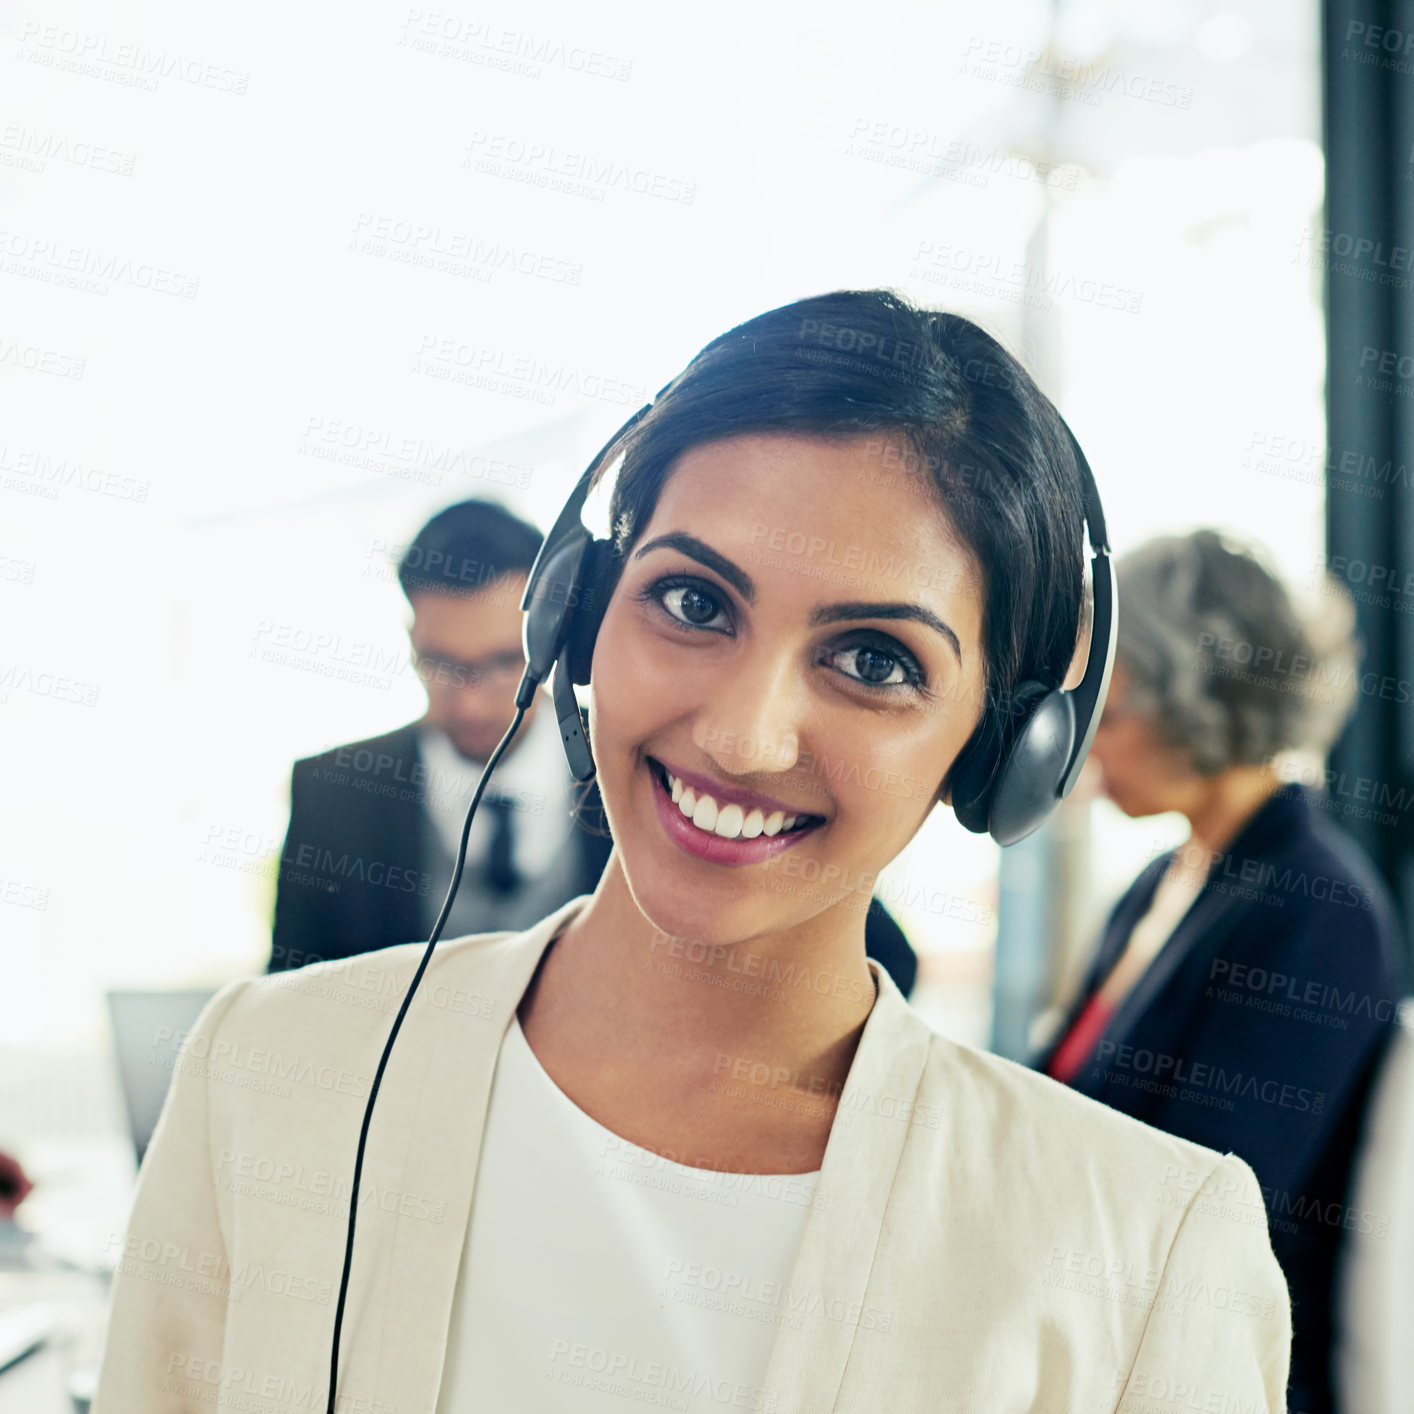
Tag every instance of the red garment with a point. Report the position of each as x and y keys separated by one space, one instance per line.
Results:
x=1080 y=1040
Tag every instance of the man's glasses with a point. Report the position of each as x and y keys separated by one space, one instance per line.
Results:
x=494 y=671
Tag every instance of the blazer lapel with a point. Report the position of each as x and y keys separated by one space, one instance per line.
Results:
x=831 y=1270
x=1198 y=935
x=427 y=1154
x=1202 y=930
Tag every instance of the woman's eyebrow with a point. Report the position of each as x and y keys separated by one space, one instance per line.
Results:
x=704 y=554
x=833 y=613
x=823 y=614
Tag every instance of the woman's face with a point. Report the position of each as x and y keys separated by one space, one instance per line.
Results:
x=796 y=632
x=1141 y=772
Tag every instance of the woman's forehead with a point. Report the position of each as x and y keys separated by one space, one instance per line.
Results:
x=758 y=484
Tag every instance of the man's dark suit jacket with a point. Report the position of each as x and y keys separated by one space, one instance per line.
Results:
x=1257 y=1030
x=355 y=871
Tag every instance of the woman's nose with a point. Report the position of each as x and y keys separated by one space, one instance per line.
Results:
x=752 y=718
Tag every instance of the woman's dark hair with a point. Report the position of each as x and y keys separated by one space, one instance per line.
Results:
x=972 y=422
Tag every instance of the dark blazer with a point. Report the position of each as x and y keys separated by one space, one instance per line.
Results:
x=1257 y=1030
x=356 y=867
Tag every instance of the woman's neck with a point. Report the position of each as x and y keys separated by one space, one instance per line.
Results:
x=687 y=1046
x=1221 y=806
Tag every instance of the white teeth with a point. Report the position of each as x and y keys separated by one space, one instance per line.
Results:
x=730 y=821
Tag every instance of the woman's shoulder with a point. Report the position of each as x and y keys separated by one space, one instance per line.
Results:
x=1031 y=1125
x=362 y=992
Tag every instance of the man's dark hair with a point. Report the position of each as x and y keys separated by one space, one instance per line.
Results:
x=466 y=547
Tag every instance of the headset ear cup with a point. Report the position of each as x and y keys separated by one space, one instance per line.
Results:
x=971 y=775
x=981 y=763
x=599 y=573
x=1028 y=785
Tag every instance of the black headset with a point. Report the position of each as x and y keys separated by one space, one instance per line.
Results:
x=1020 y=762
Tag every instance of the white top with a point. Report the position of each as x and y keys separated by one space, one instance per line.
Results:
x=597 y=1275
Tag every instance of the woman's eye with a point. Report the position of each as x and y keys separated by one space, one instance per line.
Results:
x=874 y=665
x=689 y=604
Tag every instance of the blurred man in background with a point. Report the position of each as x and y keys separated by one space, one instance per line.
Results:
x=375 y=825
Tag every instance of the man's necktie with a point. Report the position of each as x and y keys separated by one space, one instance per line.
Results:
x=500 y=873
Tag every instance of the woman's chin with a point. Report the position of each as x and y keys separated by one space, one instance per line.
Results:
x=690 y=913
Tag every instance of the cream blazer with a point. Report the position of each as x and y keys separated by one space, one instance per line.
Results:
x=981 y=1239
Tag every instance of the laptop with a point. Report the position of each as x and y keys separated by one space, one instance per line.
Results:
x=147 y=1031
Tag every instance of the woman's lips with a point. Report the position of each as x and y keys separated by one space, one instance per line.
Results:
x=706 y=845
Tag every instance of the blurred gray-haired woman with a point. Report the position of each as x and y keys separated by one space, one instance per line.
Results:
x=1244 y=986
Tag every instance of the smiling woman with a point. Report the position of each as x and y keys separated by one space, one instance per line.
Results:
x=690 y=1145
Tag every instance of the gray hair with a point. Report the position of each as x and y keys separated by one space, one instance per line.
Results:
x=1216 y=652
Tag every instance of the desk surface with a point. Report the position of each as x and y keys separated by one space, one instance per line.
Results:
x=36 y=1385
x=74 y=1222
